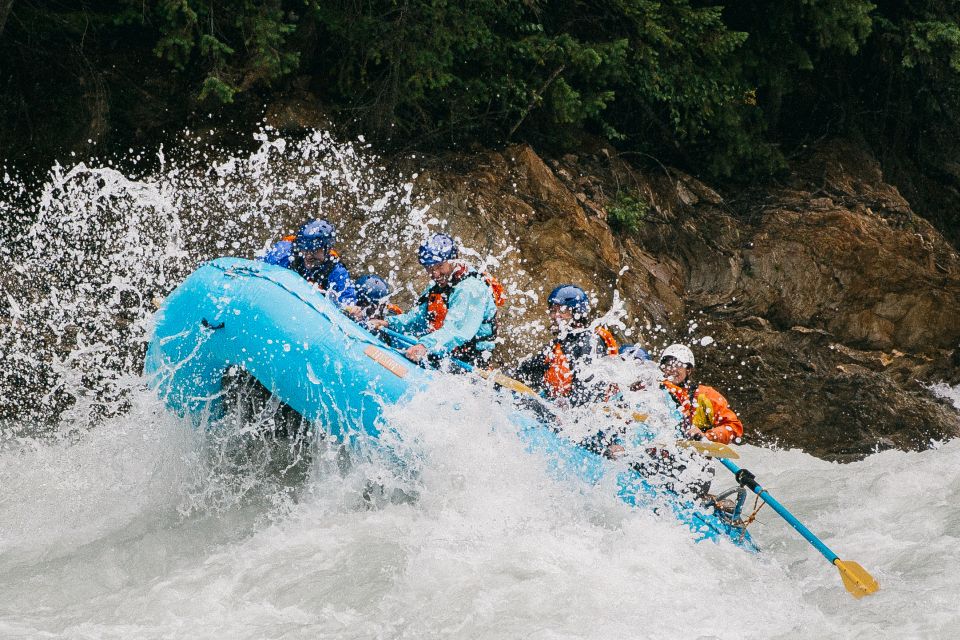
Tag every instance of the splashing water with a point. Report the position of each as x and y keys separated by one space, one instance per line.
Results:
x=93 y=249
x=117 y=520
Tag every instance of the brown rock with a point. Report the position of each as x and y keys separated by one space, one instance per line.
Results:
x=837 y=313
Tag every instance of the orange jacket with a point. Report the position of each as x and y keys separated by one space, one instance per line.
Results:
x=609 y=342
x=709 y=411
x=558 y=377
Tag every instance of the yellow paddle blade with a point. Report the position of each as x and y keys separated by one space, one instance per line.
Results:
x=712 y=449
x=514 y=385
x=504 y=381
x=635 y=415
x=855 y=578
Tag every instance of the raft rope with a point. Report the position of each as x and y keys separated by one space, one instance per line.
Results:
x=743 y=523
x=740 y=523
x=236 y=271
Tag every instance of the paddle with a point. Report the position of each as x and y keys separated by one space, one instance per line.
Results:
x=855 y=578
x=496 y=376
x=705 y=447
x=709 y=448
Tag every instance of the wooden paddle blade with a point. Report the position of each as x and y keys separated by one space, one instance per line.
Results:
x=712 y=449
x=856 y=579
x=504 y=381
x=616 y=413
x=513 y=385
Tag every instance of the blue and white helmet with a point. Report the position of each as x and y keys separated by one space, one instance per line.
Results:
x=438 y=248
x=631 y=352
x=371 y=289
x=316 y=234
x=572 y=296
x=281 y=254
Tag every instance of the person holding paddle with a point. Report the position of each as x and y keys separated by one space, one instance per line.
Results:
x=456 y=316
x=706 y=413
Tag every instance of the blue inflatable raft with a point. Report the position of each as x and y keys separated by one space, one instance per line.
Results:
x=280 y=329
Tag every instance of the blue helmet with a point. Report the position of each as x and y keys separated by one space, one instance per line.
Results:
x=438 y=248
x=371 y=289
x=316 y=234
x=572 y=296
x=634 y=352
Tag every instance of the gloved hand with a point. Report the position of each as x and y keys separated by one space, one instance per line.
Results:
x=693 y=433
x=416 y=353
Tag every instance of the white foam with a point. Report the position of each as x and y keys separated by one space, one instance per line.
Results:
x=119 y=521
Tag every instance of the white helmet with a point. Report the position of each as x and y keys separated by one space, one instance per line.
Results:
x=679 y=351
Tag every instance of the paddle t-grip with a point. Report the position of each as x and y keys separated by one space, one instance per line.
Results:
x=746 y=479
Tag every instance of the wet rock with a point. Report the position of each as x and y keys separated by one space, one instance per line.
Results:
x=802 y=389
x=831 y=305
x=839 y=302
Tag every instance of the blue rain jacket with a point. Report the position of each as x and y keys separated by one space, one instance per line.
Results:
x=470 y=313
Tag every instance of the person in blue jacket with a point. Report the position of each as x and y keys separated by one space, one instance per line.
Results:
x=311 y=254
x=457 y=313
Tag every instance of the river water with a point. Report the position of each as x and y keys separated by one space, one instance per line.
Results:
x=118 y=520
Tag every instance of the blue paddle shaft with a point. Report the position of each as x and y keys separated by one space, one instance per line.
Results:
x=407 y=340
x=786 y=515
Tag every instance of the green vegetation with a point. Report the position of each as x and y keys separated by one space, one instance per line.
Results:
x=722 y=90
x=627 y=212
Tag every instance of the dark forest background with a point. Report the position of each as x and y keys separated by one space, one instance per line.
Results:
x=729 y=92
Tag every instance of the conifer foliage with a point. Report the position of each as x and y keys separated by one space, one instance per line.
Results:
x=724 y=90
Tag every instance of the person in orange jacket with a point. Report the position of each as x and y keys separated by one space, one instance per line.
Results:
x=706 y=413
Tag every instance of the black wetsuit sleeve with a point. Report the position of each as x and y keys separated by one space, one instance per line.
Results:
x=585 y=350
x=530 y=371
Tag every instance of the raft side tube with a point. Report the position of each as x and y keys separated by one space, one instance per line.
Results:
x=286 y=334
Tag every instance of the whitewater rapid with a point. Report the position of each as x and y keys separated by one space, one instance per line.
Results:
x=138 y=531
x=119 y=520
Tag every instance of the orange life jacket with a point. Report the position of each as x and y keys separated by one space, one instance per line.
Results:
x=436 y=310
x=706 y=409
x=438 y=297
x=559 y=375
x=611 y=343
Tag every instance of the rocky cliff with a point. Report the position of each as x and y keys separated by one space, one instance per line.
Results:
x=830 y=303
